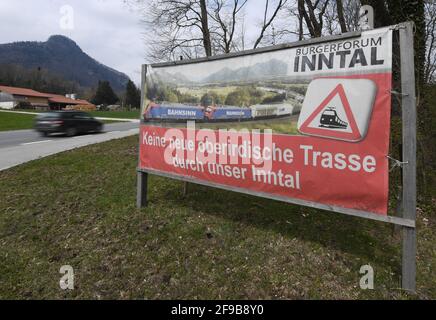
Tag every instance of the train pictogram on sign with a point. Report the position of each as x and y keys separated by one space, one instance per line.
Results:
x=338 y=108
x=330 y=119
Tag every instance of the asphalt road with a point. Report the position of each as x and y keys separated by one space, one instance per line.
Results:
x=17 y=147
x=21 y=146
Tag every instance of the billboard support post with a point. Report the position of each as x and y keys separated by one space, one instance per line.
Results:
x=185 y=189
x=141 y=196
x=408 y=106
x=142 y=177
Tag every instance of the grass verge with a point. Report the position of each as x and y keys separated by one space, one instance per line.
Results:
x=78 y=208
x=14 y=121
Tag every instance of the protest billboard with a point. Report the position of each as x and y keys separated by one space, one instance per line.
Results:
x=304 y=123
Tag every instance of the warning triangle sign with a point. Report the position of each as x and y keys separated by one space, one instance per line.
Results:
x=333 y=118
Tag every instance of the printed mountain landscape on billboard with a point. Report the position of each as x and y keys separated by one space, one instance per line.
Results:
x=271 y=68
x=266 y=70
x=61 y=56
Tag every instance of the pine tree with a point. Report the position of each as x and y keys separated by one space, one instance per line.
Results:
x=132 y=95
x=104 y=94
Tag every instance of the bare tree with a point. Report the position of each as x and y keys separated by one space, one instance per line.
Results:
x=300 y=25
x=194 y=28
x=226 y=17
x=330 y=18
x=430 y=40
x=351 y=14
x=335 y=17
x=183 y=27
x=285 y=24
x=268 y=19
x=313 y=14
x=175 y=28
x=317 y=18
x=205 y=28
x=295 y=21
x=341 y=17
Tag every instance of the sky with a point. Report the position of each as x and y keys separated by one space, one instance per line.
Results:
x=108 y=30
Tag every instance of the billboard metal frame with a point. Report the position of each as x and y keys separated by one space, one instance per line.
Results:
x=407 y=220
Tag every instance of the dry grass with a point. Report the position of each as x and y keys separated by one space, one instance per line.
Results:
x=78 y=208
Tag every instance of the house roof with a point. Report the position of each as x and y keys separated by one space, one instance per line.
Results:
x=23 y=92
x=52 y=98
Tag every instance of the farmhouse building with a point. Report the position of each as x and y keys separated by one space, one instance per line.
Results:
x=13 y=97
x=17 y=96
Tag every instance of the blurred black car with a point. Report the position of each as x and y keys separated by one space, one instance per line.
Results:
x=70 y=123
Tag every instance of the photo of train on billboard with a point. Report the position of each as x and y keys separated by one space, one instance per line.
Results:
x=226 y=98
